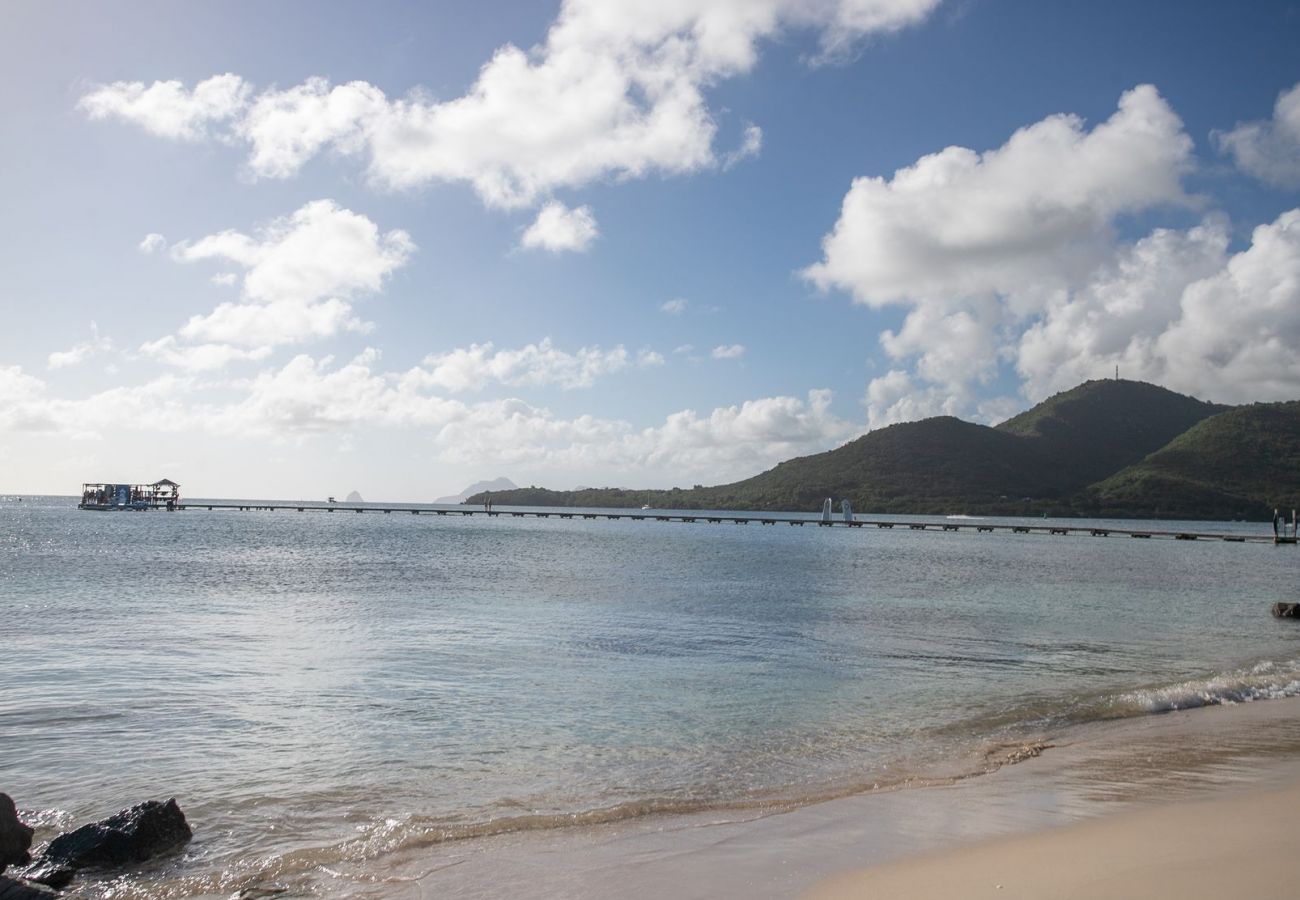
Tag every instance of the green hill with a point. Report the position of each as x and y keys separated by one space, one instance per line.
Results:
x=1239 y=464
x=1112 y=447
x=1100 y=427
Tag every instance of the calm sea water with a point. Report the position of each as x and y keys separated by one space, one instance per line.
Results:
x=324 y=689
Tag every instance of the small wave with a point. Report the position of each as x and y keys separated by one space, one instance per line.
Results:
x=1265 y=681
x=46 y=819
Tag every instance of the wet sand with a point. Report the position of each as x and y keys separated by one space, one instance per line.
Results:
x=1237 y=766
x=1239 y=845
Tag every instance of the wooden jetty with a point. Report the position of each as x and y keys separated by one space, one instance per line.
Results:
x=713 y=517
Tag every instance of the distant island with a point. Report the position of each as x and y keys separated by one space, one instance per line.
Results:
x=1106 y=448
x=495 y=486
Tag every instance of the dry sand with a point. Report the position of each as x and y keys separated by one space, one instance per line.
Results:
x=1239 y=846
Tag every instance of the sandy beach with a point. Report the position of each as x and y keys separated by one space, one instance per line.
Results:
x=1236 y=845
x=1197 y=803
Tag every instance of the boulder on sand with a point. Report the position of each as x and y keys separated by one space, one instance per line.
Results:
x=131 y=836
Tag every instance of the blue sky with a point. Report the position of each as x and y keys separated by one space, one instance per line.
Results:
x=293 y=249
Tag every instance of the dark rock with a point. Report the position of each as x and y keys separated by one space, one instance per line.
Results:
x=16 y=889
x=1286 y=610
x=15 y=837
x=132 y=836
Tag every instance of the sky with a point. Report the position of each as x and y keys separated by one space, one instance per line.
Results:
x=291 y=250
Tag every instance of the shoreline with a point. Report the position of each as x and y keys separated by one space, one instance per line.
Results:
x=1233 y=844
x=1099 y=774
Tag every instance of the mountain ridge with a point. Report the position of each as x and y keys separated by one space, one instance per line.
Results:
x=1102 y=448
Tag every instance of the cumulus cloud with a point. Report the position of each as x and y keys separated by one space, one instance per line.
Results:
x=300 y=275
x=1033 y=211
x=1117 y=315
x=167 y=108
x=152 y=241
x=897 y=397
x=1270 y=149
x=1175 y=308
x=321 y=250
x=28 y=406
x=558 y=228
x=616 y=90
x=1179 y=310
x=728 y=351
x=534 y=365
x=976 y=246
x=674 y=307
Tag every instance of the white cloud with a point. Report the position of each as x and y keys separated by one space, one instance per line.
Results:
x=321 y=250
x=166 y=108
x=308 y=397
x=266 y=325
x=27 y=405
x=615 y=91
x=977 y=247
x=1116 y=316
x=1178 y=310
x=750 y=146
x=80 y=352
x=1033 y=211
x=674 y=307
x=726 y=443
x=897 y=397
x=287 y=128
x=300 y=275
x=1174 y=308
x=200 y=357
x=1268 y=150
x=534 y=365
x=558 y=228
x=1237 y=332
x=728 y=351
x=152 y=241
x=224 y=279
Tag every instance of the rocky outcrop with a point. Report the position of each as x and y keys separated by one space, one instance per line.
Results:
x=15 y=837
x=1286 y=610
x=131 y=836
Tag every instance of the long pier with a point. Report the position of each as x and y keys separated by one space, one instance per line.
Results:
x=1051 y=527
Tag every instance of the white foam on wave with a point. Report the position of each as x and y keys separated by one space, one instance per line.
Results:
x=1264 y=681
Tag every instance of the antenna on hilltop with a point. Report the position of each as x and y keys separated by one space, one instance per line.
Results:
x=1117 y=373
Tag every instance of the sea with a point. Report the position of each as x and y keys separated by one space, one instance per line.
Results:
x=321 y=691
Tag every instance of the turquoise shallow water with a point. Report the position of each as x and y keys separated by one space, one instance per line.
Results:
x=317 y=689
